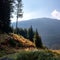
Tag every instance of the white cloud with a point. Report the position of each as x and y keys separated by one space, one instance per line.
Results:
x=27 y=16
x=30 y=15
x=55 y=14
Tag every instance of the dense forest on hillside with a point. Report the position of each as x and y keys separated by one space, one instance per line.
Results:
x=31 y=35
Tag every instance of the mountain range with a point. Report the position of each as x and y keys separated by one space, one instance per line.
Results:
x=49 y=30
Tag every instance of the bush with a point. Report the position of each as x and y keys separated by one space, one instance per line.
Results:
x=38 y=55
x=34 y=55
x=12 y=42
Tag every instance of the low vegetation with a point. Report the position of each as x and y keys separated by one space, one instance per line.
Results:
x=10 y=43
x=34 y=55
x=11 y=47
x=25 y=42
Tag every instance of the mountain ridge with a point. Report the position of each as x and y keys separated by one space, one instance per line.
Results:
x=49 y=30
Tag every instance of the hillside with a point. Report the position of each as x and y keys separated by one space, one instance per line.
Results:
x=33 y=55
x=49 y=30
x=5 y=40
x=11 y=43
x=26 y=50
x=25 y=42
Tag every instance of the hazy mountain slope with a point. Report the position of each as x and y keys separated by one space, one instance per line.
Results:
x=49 y=29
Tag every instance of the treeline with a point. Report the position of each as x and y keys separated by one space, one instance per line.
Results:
x=7 y=9
x=31 y=35
x=5 y=15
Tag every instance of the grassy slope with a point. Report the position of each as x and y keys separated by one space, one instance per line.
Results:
x=23 y=40
x=5 y=48
x=34 y=55
x=16 y=37
x=56 y=51
x=27 y=53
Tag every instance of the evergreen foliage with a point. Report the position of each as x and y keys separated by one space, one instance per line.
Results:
x=5 y=10
x=14 y=43
x=25 y=33
x=19 y=13
x=37 y=40
x=31 y=35
x=21 y=31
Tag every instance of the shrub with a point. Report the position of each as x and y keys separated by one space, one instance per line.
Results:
x=12 y=42
x=37 y=55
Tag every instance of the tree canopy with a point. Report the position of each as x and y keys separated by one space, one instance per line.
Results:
x=32 y=35
x=6 y=7
x=5 y=10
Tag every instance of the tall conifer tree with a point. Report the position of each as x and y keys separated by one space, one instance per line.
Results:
x=5 y=9
x=30 y=33
x=37 y=40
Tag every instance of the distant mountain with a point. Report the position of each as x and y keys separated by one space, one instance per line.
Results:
x=49 y=30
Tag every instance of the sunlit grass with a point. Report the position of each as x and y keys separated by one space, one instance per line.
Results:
x=22 y=40
x=35 y=55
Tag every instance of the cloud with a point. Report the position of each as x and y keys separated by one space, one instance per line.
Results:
x=27 y=16
x=55 y=14
x=31 y=15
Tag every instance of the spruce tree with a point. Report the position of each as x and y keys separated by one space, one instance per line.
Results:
x=19 y=13
x=5 y=9
x=37 y=40
x=25 y=33
x=30 y=34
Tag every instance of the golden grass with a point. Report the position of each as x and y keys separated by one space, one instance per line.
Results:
x=22 y=40
x=56 y=51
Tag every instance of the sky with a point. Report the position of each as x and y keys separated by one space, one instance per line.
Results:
x=40 y=8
